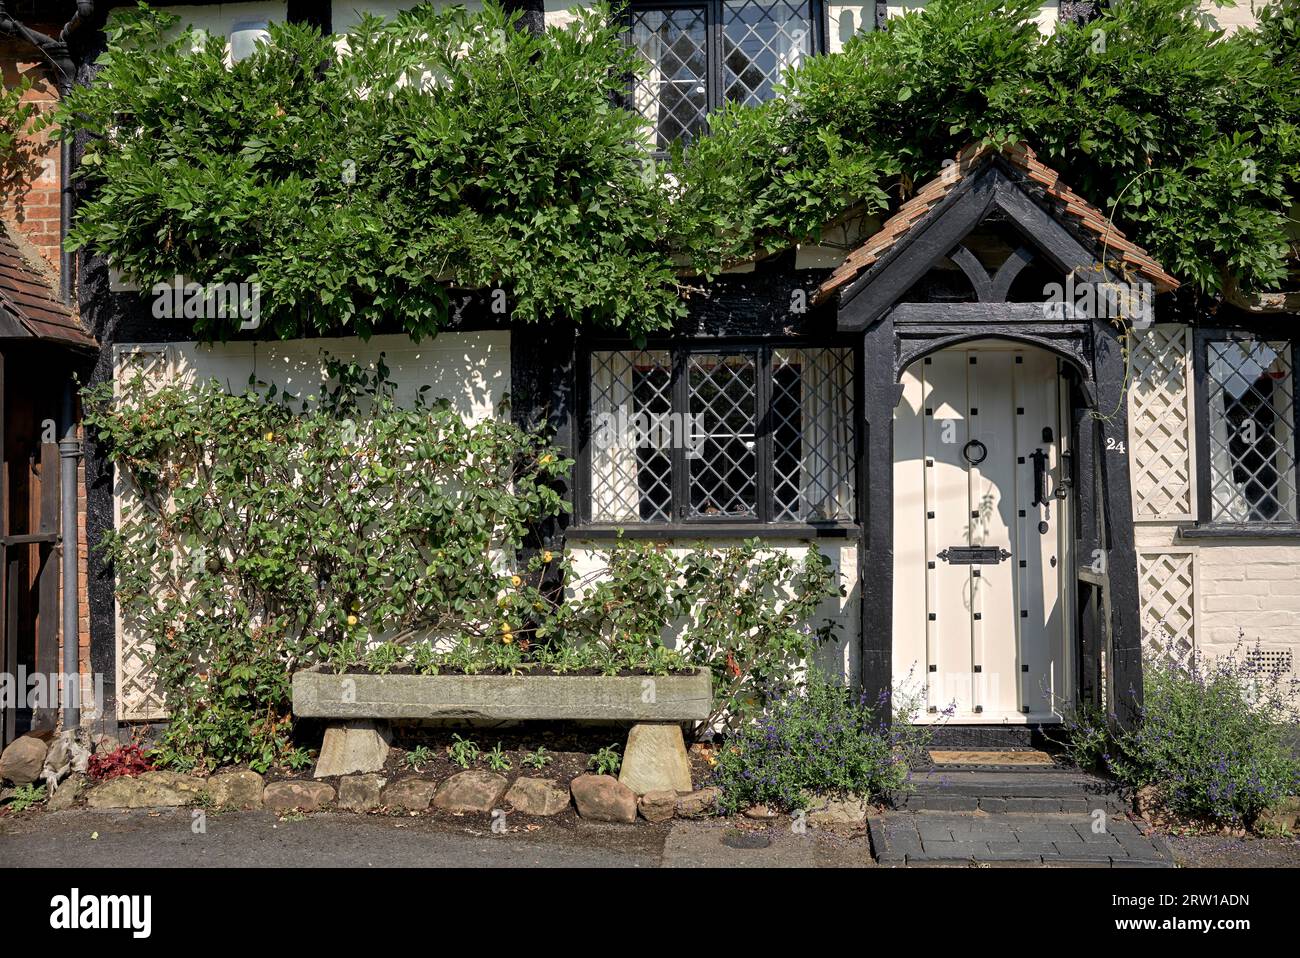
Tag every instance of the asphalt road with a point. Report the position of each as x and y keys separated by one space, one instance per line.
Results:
x=83 y=838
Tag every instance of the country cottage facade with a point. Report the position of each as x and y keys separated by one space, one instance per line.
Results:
x=1019 y=500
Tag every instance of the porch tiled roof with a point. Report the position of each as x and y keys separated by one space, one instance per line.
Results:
x=1042 y=183
x=29 y=304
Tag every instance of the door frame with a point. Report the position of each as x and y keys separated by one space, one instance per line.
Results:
x=1063 y=638
x=1107 y=642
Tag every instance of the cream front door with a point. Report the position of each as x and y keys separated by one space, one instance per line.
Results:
x=981 y=534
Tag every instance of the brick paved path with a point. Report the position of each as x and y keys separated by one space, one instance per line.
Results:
x=941 y=838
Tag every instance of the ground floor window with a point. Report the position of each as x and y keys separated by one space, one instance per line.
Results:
x=1251 y=419
x=760 y=433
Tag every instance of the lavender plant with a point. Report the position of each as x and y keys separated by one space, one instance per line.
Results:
x=1212 y=737
x=818 y=739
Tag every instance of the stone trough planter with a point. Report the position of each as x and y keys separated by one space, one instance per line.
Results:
x=360 y=705
x=633 y=698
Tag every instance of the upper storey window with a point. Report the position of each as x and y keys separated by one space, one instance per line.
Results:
x=699 y=55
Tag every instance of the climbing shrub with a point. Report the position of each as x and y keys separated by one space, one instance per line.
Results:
x=449 y=151
x=443 y=150
x=747 y=613
x=263 y=533
x=1189 y=140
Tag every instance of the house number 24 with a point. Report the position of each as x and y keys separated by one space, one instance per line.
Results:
x=1114 y=445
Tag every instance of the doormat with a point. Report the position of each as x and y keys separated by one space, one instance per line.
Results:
x=1027 y=757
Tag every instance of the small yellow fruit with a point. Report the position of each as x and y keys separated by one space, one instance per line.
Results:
x=547 y=557
x=515 y=581
x=269 y=436
x=507 y=638
x=352 y=620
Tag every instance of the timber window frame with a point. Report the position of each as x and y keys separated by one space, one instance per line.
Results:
x=1240 y=490
x=723 y=51
x=794 y=403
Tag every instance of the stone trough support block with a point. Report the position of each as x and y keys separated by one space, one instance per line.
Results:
x=655 y=759
x=354 y=747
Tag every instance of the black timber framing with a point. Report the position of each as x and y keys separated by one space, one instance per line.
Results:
x=684 y=526
x=898 y=334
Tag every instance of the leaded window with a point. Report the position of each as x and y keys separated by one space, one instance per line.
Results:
x=1250 y=393
x=698 y=55
x=763 y=434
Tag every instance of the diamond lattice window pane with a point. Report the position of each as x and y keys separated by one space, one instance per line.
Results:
x=671 y=92
x=631 y=462
x=812 y=435
x=723 y=465
x=1252 y=430
x=759 y=40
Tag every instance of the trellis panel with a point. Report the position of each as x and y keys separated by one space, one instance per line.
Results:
x=1169 y=591
x=1161 y=435
x=138 y=695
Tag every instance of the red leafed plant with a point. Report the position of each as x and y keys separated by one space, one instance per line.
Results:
x=126 y=760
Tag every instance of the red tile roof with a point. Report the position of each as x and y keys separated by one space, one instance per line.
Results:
x=1044 y=185
x=31 y=304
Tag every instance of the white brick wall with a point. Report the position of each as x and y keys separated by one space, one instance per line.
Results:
x=1231 y=18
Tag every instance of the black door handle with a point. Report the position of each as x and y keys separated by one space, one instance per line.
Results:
x=1040 y=477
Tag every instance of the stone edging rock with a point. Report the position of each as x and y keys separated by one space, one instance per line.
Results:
x=600 y=798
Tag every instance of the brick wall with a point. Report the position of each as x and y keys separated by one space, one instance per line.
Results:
x=31 y=201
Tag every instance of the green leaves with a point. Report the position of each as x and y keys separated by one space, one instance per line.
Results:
x=1143 y=90
x=445 y=150
x=263 y=539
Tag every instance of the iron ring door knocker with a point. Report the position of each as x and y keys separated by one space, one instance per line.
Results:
x=976 y=455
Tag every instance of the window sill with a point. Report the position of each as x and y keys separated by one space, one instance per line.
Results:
x=1240 y=530
x=716 y=530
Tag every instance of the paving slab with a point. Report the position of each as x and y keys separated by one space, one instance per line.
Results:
x=930 y=838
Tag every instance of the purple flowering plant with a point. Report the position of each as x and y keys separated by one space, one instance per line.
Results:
x=1213 y=736
x=817 y=739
